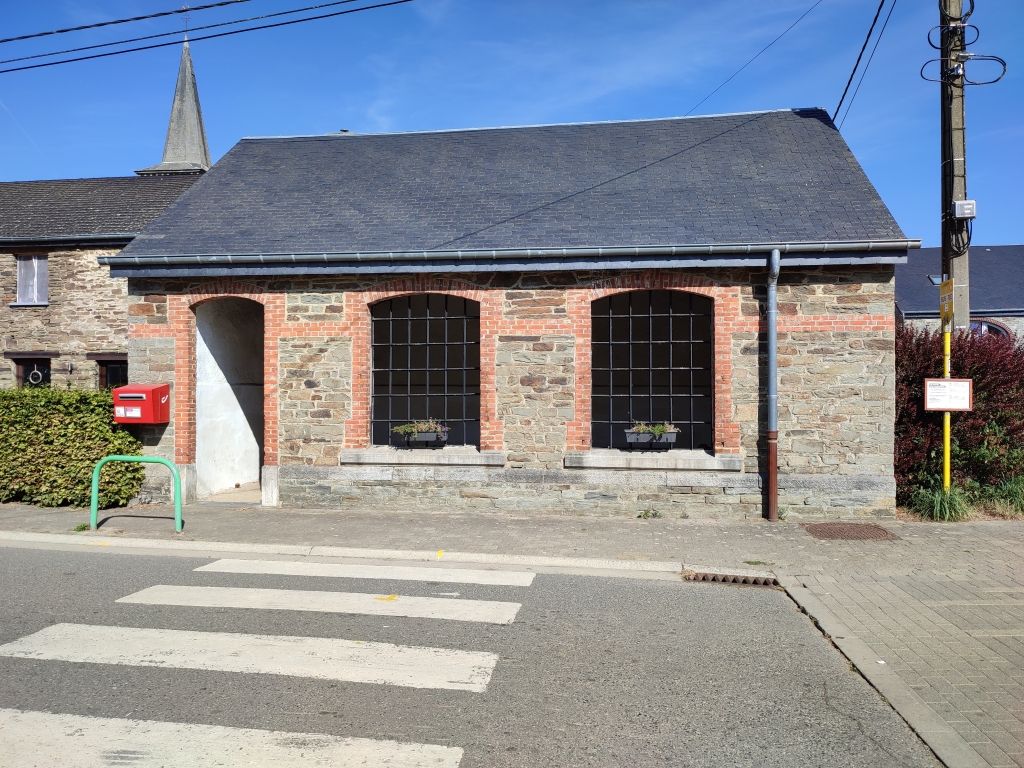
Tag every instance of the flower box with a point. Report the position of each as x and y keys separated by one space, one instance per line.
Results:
x=427 y=437
x=649 y=439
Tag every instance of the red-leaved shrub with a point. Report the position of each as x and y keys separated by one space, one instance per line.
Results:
x=988 y=442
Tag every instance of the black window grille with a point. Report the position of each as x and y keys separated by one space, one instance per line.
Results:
x=652 y=361
x=426 y=365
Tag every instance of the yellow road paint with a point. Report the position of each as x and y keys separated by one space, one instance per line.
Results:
x=388 y=598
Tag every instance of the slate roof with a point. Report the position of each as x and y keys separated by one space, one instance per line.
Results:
x=997 y=282
x=63 y=209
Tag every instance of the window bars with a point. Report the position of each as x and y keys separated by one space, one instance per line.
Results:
x=652 y=361
x=426 y=365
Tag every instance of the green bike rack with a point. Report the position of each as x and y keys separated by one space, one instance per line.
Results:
x=95 y=505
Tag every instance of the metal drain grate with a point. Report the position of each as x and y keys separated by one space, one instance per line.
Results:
x=722 y=578
x=850 y=532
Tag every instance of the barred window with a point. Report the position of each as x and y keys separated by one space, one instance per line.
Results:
x=426 y=365
x=652 y=361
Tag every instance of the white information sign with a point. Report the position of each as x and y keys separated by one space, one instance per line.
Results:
x=948 y=394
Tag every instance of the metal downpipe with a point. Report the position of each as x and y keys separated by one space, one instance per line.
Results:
x=773 y=385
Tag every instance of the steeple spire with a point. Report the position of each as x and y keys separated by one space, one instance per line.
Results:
x=185 y=150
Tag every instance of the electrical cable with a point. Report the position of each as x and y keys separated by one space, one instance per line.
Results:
x=186 y=9
x=206 y=37
x=177 y=32
x=773 y=42
x=857 y=63
x=868 y=65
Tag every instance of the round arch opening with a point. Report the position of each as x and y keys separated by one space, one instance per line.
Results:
x=229 y=395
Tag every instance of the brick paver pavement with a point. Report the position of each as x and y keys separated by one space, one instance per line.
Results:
x=942 y=606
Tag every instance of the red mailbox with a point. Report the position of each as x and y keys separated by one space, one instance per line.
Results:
x=142 y=404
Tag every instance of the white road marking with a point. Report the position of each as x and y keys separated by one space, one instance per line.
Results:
x=486 y=611
x=397 y=572
x=43 y=740
x=315 y=657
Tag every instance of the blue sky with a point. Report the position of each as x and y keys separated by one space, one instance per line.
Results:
x=461 y=63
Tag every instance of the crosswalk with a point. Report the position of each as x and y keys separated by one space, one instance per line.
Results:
x=40 y=739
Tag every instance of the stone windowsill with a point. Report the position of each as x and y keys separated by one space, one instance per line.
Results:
x=688 y=461
x=451 y=456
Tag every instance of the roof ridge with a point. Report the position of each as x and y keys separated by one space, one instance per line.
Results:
x=351 y=135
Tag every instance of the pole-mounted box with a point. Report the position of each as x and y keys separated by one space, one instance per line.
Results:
x=142 y=404
x=965 y=209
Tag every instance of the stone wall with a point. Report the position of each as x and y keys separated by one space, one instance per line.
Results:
x=535 y=378
x=836 y=361
x=315 y=394
x=87 y=313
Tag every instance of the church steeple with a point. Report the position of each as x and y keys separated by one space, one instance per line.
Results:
x=185 y=150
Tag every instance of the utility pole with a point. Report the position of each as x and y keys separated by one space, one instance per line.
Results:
x=956 y=231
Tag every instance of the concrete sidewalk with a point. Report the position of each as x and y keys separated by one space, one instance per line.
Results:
x=942 y=606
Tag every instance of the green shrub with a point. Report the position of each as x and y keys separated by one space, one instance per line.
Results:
x=987 y=443
x=50 y=440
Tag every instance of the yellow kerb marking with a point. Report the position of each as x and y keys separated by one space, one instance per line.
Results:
x=439 y=553
x=388 y=598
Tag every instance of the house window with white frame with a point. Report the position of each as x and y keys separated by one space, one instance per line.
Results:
x=33 y=281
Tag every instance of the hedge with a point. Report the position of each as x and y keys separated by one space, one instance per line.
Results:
x=50 y=440
x=987 y=444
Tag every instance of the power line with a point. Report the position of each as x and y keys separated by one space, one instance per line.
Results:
x=773 y=42
x=186 y=9
x=205 y=37
x=176 y=32
x=866 y=66
x=857 y=63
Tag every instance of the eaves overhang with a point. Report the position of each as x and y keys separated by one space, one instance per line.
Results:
x=112 y=239
x=798 y=254
x=929 y=314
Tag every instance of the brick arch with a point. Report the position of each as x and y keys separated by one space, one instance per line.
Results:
x=357 y=314
x=726 y=303
x=182 y=318
x=422 y=284
x=224 y=288
x=652 y=281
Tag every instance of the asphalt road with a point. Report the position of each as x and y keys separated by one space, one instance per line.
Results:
x=592 y=671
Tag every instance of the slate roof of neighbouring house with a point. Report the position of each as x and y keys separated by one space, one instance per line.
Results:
x=66 y=208
x=783 y=176
x=997 y=281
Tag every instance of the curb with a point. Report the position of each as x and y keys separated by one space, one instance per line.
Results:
x=540 y=561
x=949 y=746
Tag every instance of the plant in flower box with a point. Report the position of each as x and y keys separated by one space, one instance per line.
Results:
x=644 y=435
x=429 y=431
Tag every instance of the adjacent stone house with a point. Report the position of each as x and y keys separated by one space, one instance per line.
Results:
x=63 y=319
x=997 y=289
x=538 y=290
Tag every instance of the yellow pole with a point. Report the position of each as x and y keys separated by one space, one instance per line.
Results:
x=945 y=416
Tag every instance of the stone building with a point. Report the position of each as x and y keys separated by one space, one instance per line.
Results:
x=64 y=320
x=537 y=290
x=997 y=289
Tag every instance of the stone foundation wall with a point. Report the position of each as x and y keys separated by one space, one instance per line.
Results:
x=663 y=494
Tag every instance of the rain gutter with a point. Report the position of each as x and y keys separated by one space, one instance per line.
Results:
x=889 y=250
